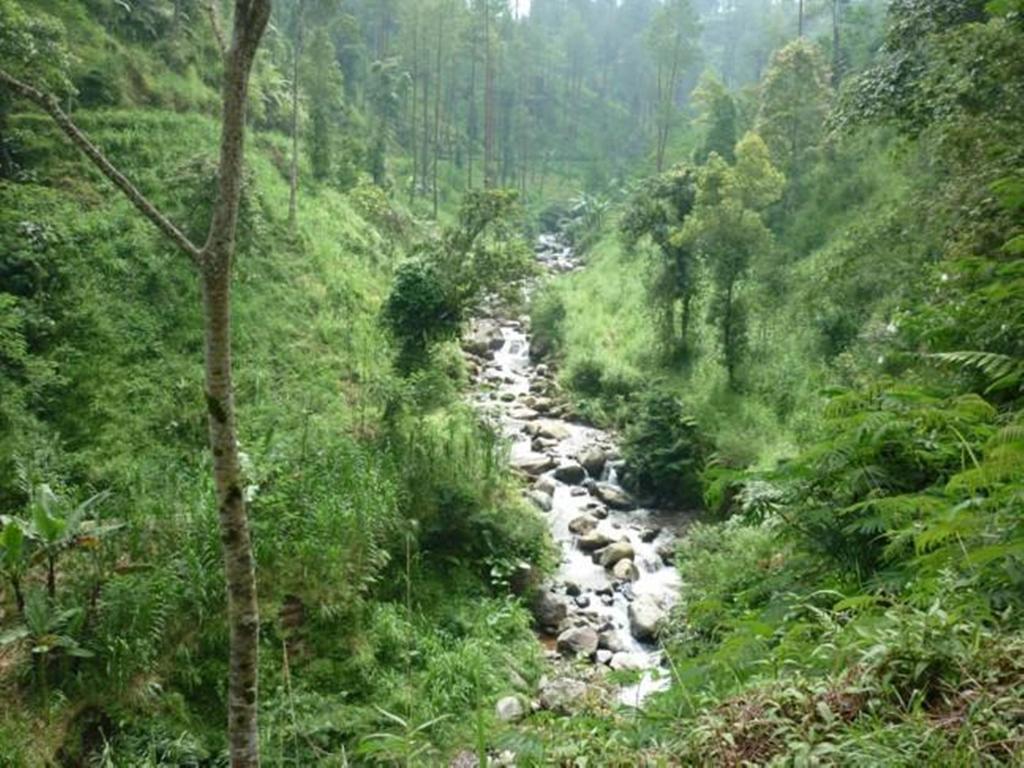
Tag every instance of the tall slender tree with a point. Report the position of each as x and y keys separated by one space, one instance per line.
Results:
x=212 y=261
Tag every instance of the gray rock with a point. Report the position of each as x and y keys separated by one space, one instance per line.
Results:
x=610 y=641
x=625 y=570
x=582 y=601
x=614 y=497
x=593 y=459
x=624 y=660
x=578 y=641
x=613 y=553
x=508 y=397
x=582 y=525
x=647 y=535
x=594 y=540
x=510 y=709
x=522 y=414
x=571 y=473
x=577 y=491
x=601 y=513
x=554 y=430
x=667 y=552
x=534 y=464
x=541 y=500
x=572 y=589
x=549 y=609
x=562 y=695
x=545 y=484
x=645 y=617
x=603 y=656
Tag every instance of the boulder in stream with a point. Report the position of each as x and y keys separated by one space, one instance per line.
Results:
x=578 y=641
x=609 y=640
x=582 y=525
x=614 y=496
x=594 y=540
x=570 y=472
x=645 y=617
x=592 y=459
x=541 y=500
x=625 y=570
x=553 y=430
x=613 y=553
x=549 y=609
x=534 y=463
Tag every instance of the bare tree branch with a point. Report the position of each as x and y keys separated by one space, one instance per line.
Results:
x=49 y=104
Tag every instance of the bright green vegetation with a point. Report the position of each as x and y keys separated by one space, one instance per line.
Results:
x=801 y=308
x=847 y=349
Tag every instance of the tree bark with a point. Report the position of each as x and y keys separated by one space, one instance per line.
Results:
x=293 y=176
x=214 y=261
x=489 y=125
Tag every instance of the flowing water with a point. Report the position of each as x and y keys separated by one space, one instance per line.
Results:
x=552 y=449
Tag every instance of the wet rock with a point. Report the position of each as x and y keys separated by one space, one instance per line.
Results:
x=647 y=535
x=510 y=709
x=572 y=589
x=577 y=491
x=667 y=552
x=571 y=473
x=508 y=397
x=590 y=485
x=625 y=570
x=592 y=459
x=542 y=404
x=534 y=464
x=614 y=497
x=554 y=430
x=603 y=656
x=613 y=553
x=549 y=609
x=582 y=601
x=545 y=484
x=594 y=540
x=541 y=500
x=522 y=414
x=645 y=617
x=610 y=641
x=582 y=525
x=579 y=641
x=562 y=695
x=601 y=513
x=484 y=339
x=625 y=660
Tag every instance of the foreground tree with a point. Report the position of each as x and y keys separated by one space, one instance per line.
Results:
x=27 y=68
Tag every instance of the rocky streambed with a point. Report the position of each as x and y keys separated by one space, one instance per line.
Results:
x=615 y=583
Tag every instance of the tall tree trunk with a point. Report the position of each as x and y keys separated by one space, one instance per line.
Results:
x=413 y=137
x=837 y=53
x=293 y=179
x=471 y=118
x=213 y=262
x=489 y=123
x=437 y=101
x=800 y=25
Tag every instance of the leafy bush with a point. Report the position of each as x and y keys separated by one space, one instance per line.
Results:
x=664 y=449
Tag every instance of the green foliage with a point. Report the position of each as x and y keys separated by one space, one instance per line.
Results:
x=481 y=254
x=34 y=49
x=664 y=450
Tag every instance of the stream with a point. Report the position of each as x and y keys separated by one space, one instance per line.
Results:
x=615 y=581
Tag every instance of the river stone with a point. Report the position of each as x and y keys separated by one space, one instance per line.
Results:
x=625 y=570
x=522 y=414
x=604 y=656
x=579 y=641
x=601 y=513
x=582 y=601
x=582 y=525
x=508 y=397
x=549 y=609
x=577 y=491
x=613 y=553
x=592 y=459
x=667 y=552
x=510 y=709
x=645 y=617
x=545 y=484
x=541 y=500
x=613 y=496
x=625 y=660
x=594 y=540
x=554 y=430
x=647 y=535
x=571 y=473
x=562 y=695
x=610 y=641
x=542 y=404
x=534 y=463
x=572 y=589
